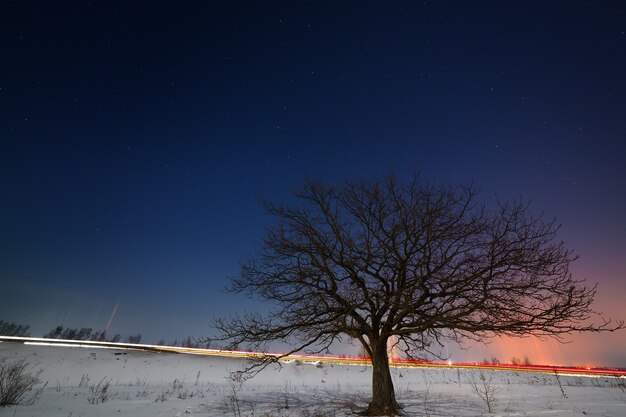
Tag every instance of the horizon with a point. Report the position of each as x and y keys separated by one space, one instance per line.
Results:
x=394 y=360
x=527 y=349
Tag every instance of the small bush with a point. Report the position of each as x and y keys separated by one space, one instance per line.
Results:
x=84 y=380
x=486 y=389
x=99 y=393
x=17 y=383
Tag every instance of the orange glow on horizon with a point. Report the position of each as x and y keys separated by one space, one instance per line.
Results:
x=535 y=351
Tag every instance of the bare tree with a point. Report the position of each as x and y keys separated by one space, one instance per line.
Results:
x=422 y=263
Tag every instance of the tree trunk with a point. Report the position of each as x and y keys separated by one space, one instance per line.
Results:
x=383 y=395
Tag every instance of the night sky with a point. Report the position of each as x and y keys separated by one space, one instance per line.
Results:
x=136 y=139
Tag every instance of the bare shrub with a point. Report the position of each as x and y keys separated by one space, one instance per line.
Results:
x=485 y=389
x=235 y=405
x=177 y=385
x=84 y=380
x=17 y=383
x=161 y=397
x=235 y=382
x=140 y=382
x=99 y=393
x=428 y=409
x=558 y=380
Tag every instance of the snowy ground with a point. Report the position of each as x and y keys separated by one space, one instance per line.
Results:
x=161 y=384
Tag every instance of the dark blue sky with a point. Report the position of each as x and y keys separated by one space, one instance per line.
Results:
x=137 y=137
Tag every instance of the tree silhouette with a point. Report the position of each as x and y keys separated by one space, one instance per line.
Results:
x=13 y=329
x=417 y=262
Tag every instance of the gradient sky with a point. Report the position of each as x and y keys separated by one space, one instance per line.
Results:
x=137 y=137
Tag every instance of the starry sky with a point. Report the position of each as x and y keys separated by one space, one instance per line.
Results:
x=137 y=137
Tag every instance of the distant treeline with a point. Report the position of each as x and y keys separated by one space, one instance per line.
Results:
x=86 y=333
x=190 y=342
x=514 y=361
x=13 y=329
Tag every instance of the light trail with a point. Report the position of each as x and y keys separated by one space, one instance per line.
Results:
x=111 y=318
x=333 y=359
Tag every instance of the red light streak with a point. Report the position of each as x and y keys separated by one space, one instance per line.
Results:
x=342 y=359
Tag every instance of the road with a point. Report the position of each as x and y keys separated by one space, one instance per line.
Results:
x=344 y=360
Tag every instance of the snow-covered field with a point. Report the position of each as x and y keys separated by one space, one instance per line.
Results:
x=105 y=382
